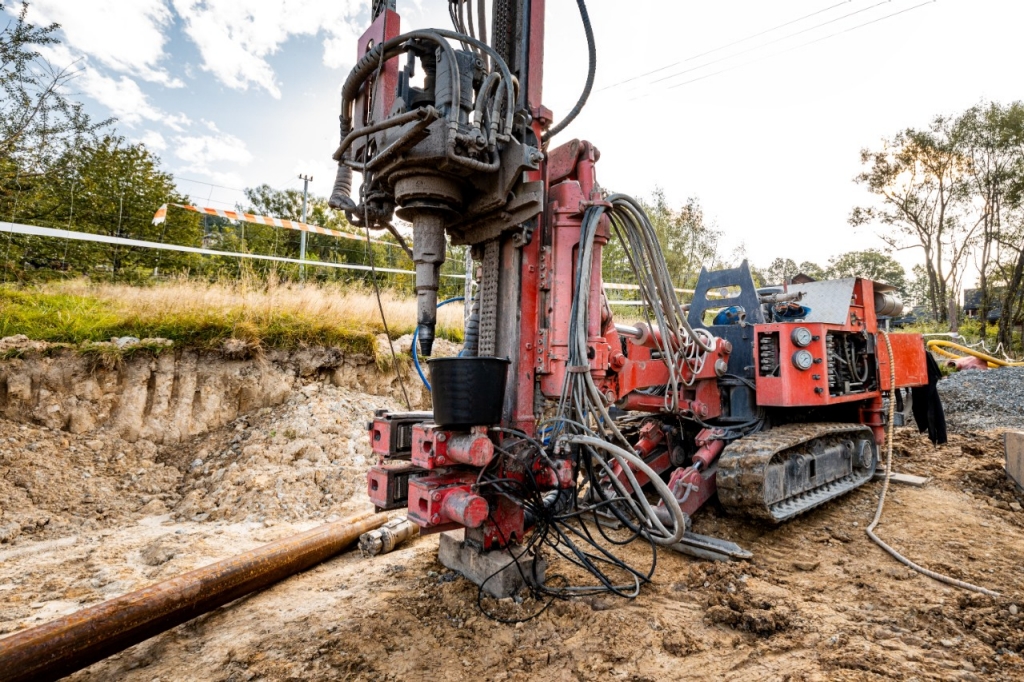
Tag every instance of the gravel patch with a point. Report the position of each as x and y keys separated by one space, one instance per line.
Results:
x=984 y=399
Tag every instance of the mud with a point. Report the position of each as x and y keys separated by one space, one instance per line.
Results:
x=818 y=601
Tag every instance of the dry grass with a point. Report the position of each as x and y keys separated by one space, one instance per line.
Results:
x=203 y=314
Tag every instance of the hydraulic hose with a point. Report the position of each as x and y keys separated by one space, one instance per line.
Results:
x=939 y=346
x=415 y=338
x=591 y=70
x=366 y=67
x=630 y=463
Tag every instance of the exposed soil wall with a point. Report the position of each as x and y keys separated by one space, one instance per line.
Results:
x=167 y=396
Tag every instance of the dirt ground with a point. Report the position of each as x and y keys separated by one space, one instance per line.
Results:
x=87 y=518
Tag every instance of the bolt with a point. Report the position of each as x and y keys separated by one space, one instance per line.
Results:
x=441 y=437
x=435 y=519
x=436 y=497
x=439 y=459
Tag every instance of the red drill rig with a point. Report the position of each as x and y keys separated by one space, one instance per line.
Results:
x=553 y=413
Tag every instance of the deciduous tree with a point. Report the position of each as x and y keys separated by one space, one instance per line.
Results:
x=920 y=179
x=871 y=264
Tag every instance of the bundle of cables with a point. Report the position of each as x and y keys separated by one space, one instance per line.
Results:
x=559 y=517
x=683 y=349
x=583 y=431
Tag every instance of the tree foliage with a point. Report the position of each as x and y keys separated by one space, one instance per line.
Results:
x=107 y=187
x=995 y=143
x=919 y=178
x=871 y=264
x=38 y=123
x=955 y=190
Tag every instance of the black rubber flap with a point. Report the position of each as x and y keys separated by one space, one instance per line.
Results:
x=467 y=391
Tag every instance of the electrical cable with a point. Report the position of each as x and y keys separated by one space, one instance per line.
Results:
x=591 y=71
x=885 y=489
x=560 y=530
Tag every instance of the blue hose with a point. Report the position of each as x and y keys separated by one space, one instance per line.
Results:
x=416 y=337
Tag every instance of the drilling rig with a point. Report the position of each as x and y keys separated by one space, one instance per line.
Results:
x=554 y=416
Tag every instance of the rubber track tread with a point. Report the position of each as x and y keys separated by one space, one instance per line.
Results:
x=744 y=464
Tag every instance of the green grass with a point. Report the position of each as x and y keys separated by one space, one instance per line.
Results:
x=76 y=319
x=203 y=316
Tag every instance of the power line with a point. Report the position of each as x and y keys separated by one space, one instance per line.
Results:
x=790 y=49
x=279 y=186
x=202 y=182
x=771 y=42
x=723 y=47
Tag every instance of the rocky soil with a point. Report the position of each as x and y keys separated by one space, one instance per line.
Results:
x=984 y=399
x=93 y=515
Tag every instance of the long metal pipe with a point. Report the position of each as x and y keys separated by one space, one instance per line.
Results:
x=75 y=641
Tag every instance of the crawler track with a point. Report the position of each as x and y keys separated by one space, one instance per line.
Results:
x=790 y=469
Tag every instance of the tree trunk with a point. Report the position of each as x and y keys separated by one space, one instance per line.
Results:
x=983 y=309
x=933 y=288
x=1006 y=318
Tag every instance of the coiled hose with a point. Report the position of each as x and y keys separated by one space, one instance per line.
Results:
x=939 y=346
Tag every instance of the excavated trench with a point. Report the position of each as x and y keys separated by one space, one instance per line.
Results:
x=168 y=395
x=115 y=475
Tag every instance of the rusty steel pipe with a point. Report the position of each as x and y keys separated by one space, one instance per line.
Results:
x=75 y=641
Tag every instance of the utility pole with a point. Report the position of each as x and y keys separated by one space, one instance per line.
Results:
x=302 y=238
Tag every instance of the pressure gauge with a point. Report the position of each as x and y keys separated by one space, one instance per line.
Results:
x=801 y=337
x=802 y=359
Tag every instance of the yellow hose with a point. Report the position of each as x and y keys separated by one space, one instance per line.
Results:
x=939 y=345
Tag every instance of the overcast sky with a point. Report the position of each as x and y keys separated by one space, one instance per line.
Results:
x=762 y=123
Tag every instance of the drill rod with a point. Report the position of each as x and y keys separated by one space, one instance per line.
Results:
x=62 y=646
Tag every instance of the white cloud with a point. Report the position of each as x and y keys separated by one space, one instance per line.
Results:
x=204 y=155
x=206 y=149
x=127 y=37
x=154 y=140
x=235 y=37
x=223 y=178
x=121 y=95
